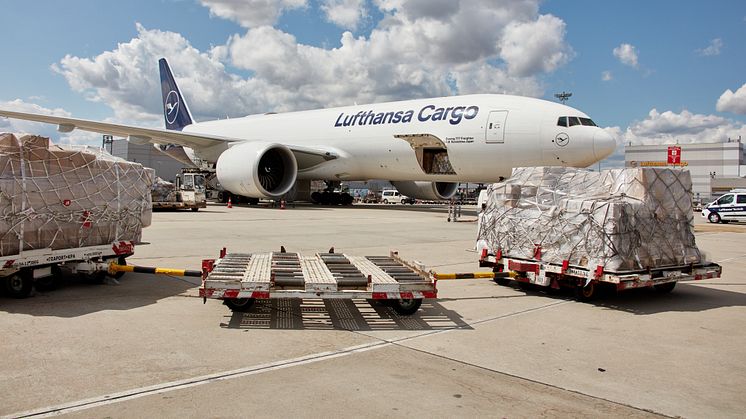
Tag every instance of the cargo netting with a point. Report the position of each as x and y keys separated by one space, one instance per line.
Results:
x=60 y=198
x=621 y=219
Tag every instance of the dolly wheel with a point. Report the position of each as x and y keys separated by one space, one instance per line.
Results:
x=407 y=306
x=19 y=285
x=240 y=305
x=586 y=293
x=664 y=288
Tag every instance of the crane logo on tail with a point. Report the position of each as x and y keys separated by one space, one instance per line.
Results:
x=172 y=106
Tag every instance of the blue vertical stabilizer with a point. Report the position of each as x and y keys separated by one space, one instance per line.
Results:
x=175 y=110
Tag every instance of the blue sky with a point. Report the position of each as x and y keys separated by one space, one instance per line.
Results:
x=687 y=55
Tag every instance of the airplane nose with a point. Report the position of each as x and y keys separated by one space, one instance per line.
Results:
x=603 y=144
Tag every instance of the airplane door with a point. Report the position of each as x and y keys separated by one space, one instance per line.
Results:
x=495 y=132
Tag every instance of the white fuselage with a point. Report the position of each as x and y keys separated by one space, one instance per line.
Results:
x=485 y=137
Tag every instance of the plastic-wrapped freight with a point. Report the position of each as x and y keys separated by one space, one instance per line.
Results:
x=163 y=191
x=621 y=219
x=58 y=198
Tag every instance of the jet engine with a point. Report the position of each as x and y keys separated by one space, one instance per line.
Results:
x=257 y=169
x=431 y=191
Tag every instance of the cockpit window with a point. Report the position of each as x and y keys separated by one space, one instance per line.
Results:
x=562 y=121
x=573 y=120
x=587 y=121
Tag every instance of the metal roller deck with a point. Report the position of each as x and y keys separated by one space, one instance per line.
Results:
x=243 y=277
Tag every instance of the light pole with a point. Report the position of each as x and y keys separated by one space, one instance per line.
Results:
x=563 y=96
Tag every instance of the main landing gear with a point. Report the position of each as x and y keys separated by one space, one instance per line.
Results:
x=329 y=197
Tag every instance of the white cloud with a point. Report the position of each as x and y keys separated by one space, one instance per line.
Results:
x=684 y=128
x=535 y=46
x=606 y=75
x=627 y=54
x=251 y=13
x=419 y=49
x=344 y=13
x=46 y=130
x=414 y=52
x=712 y=49
x=126 y=79
x=733 y=102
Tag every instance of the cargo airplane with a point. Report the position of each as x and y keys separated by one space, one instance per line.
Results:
x=424 y=146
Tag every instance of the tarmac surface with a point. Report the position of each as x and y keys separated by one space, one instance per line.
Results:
x=148 y=347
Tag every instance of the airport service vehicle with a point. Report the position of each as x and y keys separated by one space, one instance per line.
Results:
x=729 y=207
x=392 y=196
x=189 y=192
x=425 y=147
x=240 y=278
x=586 y=282
x=20 y=273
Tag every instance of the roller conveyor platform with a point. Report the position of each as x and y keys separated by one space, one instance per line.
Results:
x=240 y=278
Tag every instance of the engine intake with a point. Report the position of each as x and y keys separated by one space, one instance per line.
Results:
x=431 y=191
x=257 y=169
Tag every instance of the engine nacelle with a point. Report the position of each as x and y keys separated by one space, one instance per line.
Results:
x=257 y=169
x=431 y=191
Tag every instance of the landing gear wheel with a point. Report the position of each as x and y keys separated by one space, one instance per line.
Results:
x=19 y=285
x=239 y=305
x=586 y=293
x=407 y=306
x=714 y=217
x=664 y=288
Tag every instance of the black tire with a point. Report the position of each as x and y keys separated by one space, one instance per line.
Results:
x=664 y=288
x=240 y=305
x=408 y=306
x=714 y=218
x=18 y=285
x=386 y=201
x=586 y=293
x=195 y=209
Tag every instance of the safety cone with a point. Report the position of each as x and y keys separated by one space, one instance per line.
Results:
x=230 y=204
x=282 y=204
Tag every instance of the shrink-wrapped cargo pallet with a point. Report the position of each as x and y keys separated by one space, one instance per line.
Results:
x=163 y=191
x=58 y=198
x=621 y=219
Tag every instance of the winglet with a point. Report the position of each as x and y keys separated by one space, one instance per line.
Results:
x=175 y=110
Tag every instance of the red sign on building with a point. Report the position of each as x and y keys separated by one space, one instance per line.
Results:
x=674 y=155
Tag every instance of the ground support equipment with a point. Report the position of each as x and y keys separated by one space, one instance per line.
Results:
x=20 y=273
x=240 y=278
x=585 y=281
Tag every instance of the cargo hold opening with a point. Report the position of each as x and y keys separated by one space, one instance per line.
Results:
x=431 y=153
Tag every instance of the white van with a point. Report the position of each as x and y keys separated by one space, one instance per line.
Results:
x=729 y=207
x=392 y=196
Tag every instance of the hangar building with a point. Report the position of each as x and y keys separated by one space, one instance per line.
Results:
x=165 y=167
x=715 y=167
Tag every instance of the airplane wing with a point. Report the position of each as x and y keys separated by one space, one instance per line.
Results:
x=152 y=135
x=306 y=156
